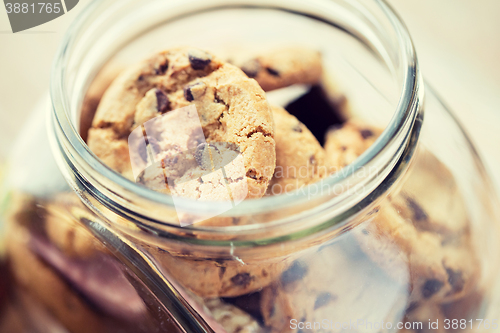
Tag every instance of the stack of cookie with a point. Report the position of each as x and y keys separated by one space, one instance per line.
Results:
x=411 y=240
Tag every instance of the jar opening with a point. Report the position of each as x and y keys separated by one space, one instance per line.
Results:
x=83 y=169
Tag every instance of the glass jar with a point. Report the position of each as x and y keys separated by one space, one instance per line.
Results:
x=404 y=238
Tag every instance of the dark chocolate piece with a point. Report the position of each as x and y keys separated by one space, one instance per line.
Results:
x=418 y=213
x=252 y=174
x=188 y=95
x=366 y=133
x=199 y=59
x=296 y=272
x=431 y=287
x=455 y=279
x=241 y=279
x=161 y=101
x=162 y=69
x=188 y=91
x=297 y=128
x=273 y=72
x=251 y=68
x=323 y=299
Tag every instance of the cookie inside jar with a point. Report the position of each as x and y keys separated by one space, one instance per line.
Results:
x=280 y=124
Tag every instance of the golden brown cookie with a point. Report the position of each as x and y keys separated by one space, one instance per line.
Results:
x=430 y=197
x=284 y=67
x=220 y=278
x=300 y=159
x=435 y=272
x=428 y=318
x=231 y=318
x=46 y=286
x=346 y=143
x=94 y=94
x=65 y=231
x=328 y=287
x=409 y=236
x=231 y=107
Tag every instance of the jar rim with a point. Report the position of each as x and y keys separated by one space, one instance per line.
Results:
x=119 y=193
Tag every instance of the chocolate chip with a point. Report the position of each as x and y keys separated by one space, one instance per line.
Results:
x=323 y=299
x=418 y=213
x=455 y=279
x=188 y=94
x=297 y=128
x=431 y=287
x=188 y=90
x=241 y=279
x=302 y=320
x=296 y=272
x=161 y=101
x=252 y=174
x=251 y=68
x=273 y=72
x=312 y=160
x=162 y=69
x=366 y=133
x=199 y=59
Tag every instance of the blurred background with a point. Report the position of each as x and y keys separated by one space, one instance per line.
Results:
x=456 y=40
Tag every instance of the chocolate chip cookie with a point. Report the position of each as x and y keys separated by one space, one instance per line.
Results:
x=409 y=235
x=284 y=67
x=220 y=277
x=300 y=159
x=85 y=293
x=346 y=143
x=231 y=107
x=419 y=319
x=435 y=271
x=326 y=287
x=231 y=318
